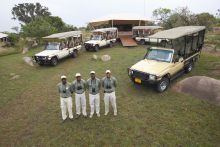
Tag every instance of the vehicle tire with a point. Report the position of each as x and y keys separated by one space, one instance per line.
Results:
x=163 y=43
x=75 y=53
x=163 y=84
x=54 y=61
x=111 y=44
x=189 y=67
x=96 y=48
x=142 y=42
x=41 y=63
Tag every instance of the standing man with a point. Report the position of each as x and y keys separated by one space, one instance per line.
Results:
x=64 y=89
x=94 y=86
x=109 y=84
x=78 y=86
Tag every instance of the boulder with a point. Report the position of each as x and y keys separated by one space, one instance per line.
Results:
x=94 y=57
x=15 y=77
x=28 y=61
x=106 y=58
x=201 y=87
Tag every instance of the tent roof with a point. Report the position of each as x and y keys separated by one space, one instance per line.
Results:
x=177 y=32
x=64 y=35
x=147 y=27
x=2 y=35
x=120 y=16
x=105 y=30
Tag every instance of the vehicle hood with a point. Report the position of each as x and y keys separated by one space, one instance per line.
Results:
x=151 y=66
x=92 y=42
x=47 y=53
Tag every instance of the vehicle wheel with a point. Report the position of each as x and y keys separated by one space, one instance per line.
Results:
x=163 y=84
x=142 y=42
x=96 y=48
x=189 y=67
x=75 y=53
x=111 y=44
x=41 y=63
x=54 y=61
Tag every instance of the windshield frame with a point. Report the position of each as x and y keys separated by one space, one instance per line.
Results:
x=52 y=44
x=171 y=59
x=94 y=37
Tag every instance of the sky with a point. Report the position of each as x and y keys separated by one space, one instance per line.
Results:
x=80 y=12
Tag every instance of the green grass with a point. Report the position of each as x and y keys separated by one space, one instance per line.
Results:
x=213 y=39
x=30 y=111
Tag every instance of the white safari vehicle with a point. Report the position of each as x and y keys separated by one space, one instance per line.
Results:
x=59 y=46
x=141 y=33
x=101 y=37
x=163 y=64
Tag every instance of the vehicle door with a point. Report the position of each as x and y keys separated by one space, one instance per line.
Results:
x=103 y=40
x=177 y=65
x=63 y=51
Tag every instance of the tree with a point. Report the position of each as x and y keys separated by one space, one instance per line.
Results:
x=27 y=12
x=38 y=28
x=206 y=19
x=161 y=14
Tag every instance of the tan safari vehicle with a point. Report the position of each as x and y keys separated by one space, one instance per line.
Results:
x=178 y=55
x=141 y=33
x=102 y=38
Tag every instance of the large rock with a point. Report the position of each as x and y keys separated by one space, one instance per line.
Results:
x=94 y=57
x=200 y=87
x=28 y=61
x=106 y=58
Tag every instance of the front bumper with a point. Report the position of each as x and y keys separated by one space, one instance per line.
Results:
x=41 y=59
x=89 y=46
x=140 y=77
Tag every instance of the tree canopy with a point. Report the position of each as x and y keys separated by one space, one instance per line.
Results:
x=27 y=12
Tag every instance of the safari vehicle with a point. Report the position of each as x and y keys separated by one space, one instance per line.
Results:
x=101 y=38
x=163 y=64
x=59 y=46
x=141 y=33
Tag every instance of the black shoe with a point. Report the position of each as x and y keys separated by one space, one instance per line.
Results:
x=77 y=116
x=63 y=121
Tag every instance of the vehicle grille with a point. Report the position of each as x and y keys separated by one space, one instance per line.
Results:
x=140 y=75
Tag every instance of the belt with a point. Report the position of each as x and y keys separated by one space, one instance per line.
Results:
x=80 y=93
x=108 y=91
x=93 y=93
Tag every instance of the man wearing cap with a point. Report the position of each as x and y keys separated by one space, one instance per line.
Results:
x=78 y=86
x=109 y=84
x=64 y=89
x=94 y=86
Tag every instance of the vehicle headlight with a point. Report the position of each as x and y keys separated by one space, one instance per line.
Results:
x=130 y=72
x=152 y=77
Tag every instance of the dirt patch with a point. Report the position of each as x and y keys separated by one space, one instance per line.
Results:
x=200 y=87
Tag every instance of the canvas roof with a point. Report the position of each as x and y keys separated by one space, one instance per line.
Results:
x=2 y=35
x=147 y=27
x=177 y=32
x=105 y=30
x=64 y=35
x=120 y=16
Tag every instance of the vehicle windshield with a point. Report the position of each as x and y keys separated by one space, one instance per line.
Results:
x=159 y=55
x=96 y=37
x=52 y=46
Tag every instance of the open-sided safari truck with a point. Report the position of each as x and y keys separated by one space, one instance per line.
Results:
x=59 y=46
x=102 y=37
x=163 y=64
x=141 y=33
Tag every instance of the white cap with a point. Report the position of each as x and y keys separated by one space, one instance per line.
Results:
x=78 y=75
x=107 y=71
x=63 y=77
x=92 y=72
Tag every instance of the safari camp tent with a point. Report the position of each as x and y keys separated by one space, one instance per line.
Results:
x=124 y=23
x=3 y=37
